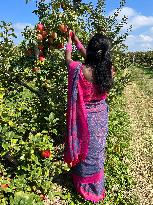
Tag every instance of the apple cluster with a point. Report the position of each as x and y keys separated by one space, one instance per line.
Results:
x=51 y=37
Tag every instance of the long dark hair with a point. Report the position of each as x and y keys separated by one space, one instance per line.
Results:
x=98 y=57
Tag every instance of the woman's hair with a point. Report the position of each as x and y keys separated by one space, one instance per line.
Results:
x=99 y=58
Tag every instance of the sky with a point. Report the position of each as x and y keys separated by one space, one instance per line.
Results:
x=139 y=12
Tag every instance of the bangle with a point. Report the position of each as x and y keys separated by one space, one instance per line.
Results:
x=68 y=47
x=79 y=45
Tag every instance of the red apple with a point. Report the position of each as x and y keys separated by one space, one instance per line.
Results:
x=29 y=52
x=40 y=27
x=71 y=34
x=46 y=153
x=41 y=47
x=40 y=37
x=35 y=69
x=42 y=197
x=41 y=58
x=60 y=45
x=44 y=34
x=53 y=35
x=63 y=28
x=4 y=186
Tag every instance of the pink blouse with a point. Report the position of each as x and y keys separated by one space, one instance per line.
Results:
x=90 y=90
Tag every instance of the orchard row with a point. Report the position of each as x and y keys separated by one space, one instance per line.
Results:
x=141 y=58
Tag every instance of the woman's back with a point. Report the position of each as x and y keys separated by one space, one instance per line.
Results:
x=91 y=91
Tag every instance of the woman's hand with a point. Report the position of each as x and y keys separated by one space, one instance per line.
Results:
x=79 y=45
x=69 y=38
x=68 y=51
x=75 y=38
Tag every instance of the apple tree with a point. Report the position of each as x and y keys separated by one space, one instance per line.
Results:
x=33 y=93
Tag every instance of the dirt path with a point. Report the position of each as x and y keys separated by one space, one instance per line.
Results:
x=139 y=106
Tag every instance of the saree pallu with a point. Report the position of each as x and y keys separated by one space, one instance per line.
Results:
x=87 y=127
x=77 y=137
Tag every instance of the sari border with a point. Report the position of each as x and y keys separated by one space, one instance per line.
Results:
x=90 y=179
x=92 y=197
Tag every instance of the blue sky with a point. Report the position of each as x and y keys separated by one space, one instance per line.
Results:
x=140 y=13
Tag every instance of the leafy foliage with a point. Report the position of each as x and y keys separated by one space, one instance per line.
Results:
x=141 y=58
x=33 y=94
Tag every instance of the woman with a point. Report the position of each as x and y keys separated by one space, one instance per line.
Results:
x=87 y=114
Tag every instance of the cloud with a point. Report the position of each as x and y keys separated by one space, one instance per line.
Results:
x=140 y=21
x=151 y=29
x=137 y=20
x=141 y=37
x=20 y=26
x=146 y=38
x=125 y=11
x=141 y=42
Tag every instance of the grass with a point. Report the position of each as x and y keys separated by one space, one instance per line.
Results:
x=143 y=77
x=139 y=106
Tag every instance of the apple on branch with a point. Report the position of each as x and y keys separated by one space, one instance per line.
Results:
x=36 y=69
x=40 y=27
x=46 y=153
x=4 y=186
x=53 y=35
x=60 y=46
x=41 y=47
x=44 y=34
x=40 y=37
x=42 y=58
x=63 y=28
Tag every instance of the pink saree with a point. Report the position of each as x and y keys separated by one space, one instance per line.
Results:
x=87 y=127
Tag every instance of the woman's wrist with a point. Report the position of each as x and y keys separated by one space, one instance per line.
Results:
x=69 y=47
x=79 y=45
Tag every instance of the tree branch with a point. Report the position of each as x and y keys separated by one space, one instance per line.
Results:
x=76 y=3
x=29 y=88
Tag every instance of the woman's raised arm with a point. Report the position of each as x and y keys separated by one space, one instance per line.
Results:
x=68 y=51
x=79 y=45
